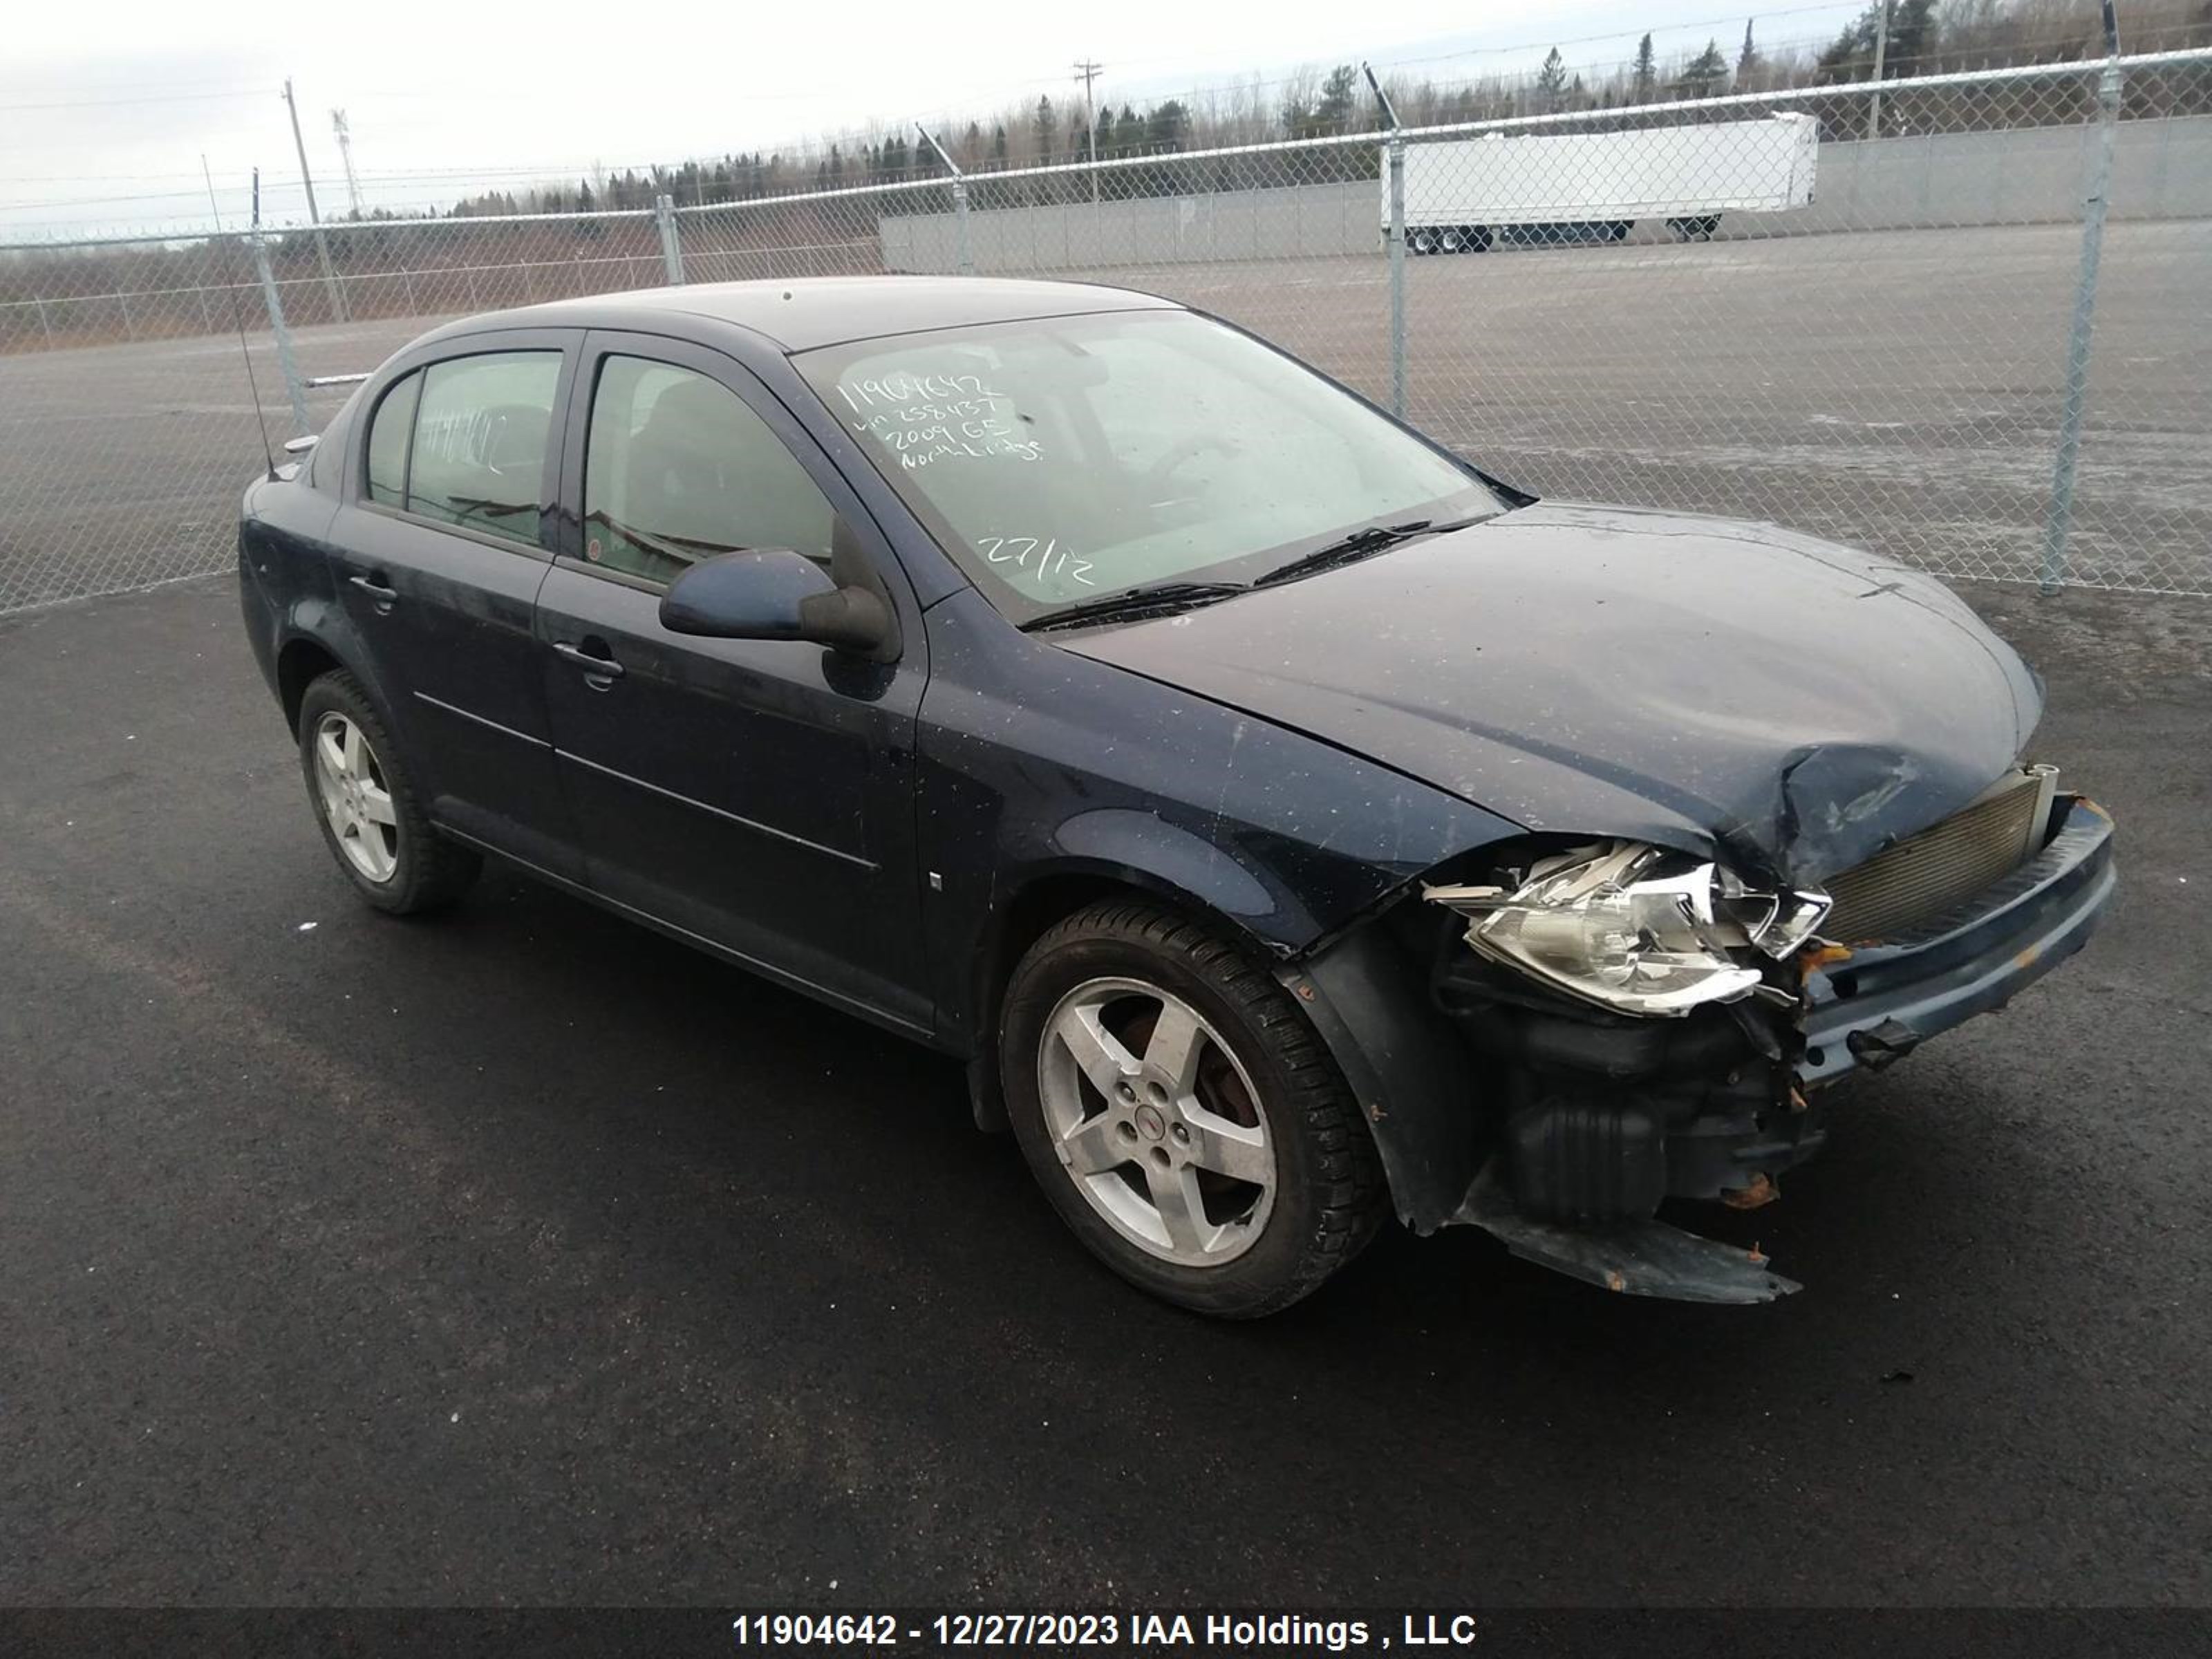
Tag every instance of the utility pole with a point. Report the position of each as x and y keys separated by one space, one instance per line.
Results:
x=322 y=243
x=1086 y=71
x=345 y=155
x=1880 y=48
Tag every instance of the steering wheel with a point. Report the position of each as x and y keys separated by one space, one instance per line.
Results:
x=1186 y=450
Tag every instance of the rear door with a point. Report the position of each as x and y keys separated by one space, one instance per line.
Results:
x=758 y=794
x=443 y=541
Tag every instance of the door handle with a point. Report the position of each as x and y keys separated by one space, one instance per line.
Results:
x=375 y=589
x=604 y=667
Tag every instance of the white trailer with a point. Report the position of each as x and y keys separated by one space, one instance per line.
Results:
x=1592 y=186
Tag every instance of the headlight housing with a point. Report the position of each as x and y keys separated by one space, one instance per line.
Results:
x=1638 y=929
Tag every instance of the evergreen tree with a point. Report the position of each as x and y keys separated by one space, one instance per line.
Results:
x=1170 y=124
x=1647 y=70
x=1338 y=94
x=1849 y=57
x=1551 y=80
x=1706 y=74
x=1747 y=59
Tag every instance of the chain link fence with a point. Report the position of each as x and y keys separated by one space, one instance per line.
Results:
x=1960 y=319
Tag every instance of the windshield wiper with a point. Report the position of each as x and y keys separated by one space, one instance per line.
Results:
x=1159 y=600
x=1357 y=545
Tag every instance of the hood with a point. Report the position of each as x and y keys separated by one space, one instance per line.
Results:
x=1730 y=689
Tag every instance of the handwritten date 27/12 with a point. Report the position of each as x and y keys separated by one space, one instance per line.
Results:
x=1042 y=558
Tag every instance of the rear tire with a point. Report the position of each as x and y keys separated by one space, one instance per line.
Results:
x=366 y=802
x=1182 y=1115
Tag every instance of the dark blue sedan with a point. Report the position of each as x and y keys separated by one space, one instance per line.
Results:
x=1287 y=821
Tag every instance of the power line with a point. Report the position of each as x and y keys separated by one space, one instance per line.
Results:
x=160 y=98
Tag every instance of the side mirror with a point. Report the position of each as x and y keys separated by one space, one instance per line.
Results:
x=772 y=593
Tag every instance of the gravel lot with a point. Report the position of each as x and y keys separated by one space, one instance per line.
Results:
x=526 y=1256
x=1898 y=389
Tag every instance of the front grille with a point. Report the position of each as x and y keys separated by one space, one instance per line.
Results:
x=1925 y=875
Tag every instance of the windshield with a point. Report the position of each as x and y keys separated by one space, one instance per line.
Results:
x=1067 y=459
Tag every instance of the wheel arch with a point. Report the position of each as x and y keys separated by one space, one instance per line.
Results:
x=301 y=661
x=1044 y=895
x=316 y=638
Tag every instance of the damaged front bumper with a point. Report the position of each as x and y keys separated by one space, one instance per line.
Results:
x=1867 y=1006
x=1572 y=1126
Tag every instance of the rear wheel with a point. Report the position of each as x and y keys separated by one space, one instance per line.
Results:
x=1421 y=240
x=372 y=818
x=1181 y=1114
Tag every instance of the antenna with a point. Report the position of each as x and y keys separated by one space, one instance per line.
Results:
x=237 y=318
x=345 y=155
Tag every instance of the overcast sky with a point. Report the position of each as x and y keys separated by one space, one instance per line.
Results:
x=106 y=109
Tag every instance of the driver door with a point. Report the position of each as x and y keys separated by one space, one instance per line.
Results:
x=758 y=795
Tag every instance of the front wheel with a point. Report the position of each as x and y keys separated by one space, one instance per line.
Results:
x=1182 y=1115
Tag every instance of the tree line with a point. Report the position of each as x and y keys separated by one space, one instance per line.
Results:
x=1924 y=37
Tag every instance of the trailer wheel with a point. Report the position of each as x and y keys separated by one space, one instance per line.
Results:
x=1477 y=239
x=1618 y=229
x=1452 y=239
x=1421 y=240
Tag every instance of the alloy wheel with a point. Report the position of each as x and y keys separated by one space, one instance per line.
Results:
x=1156 y=1122
x=355 y=797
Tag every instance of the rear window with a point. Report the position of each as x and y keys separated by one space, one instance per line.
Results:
x=464 y=441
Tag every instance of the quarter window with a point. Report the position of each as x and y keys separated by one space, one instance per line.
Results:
x=387 y=442
x=677 y=469
x=478 y=457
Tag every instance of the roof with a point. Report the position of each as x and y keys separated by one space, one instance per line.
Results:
x=803 y=313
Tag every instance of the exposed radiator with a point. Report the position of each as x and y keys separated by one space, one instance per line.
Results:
x=1921 y=876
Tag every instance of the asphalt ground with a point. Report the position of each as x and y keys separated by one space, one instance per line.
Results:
x=524 y=1256
x=1895 y=389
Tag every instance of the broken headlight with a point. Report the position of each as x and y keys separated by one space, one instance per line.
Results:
x=1636 y=928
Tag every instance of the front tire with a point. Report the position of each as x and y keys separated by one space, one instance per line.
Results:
x=366 y=802
x=1181 y=1114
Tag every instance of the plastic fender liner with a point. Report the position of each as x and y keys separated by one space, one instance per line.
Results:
x=1414 y=1083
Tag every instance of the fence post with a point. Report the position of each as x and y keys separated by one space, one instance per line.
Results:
x=1394 y=148
x=285 y=364
x=2059 y=525
x=46 y=328
x=964 y=248
x=671 y=248
x=960 y=226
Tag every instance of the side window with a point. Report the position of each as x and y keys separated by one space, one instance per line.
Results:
x=480 y=433
x=387 y=442
x=677 y=469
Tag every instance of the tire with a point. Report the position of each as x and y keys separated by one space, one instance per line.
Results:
x=1234 y=1112
x=366 y=803
x=1421 y=240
